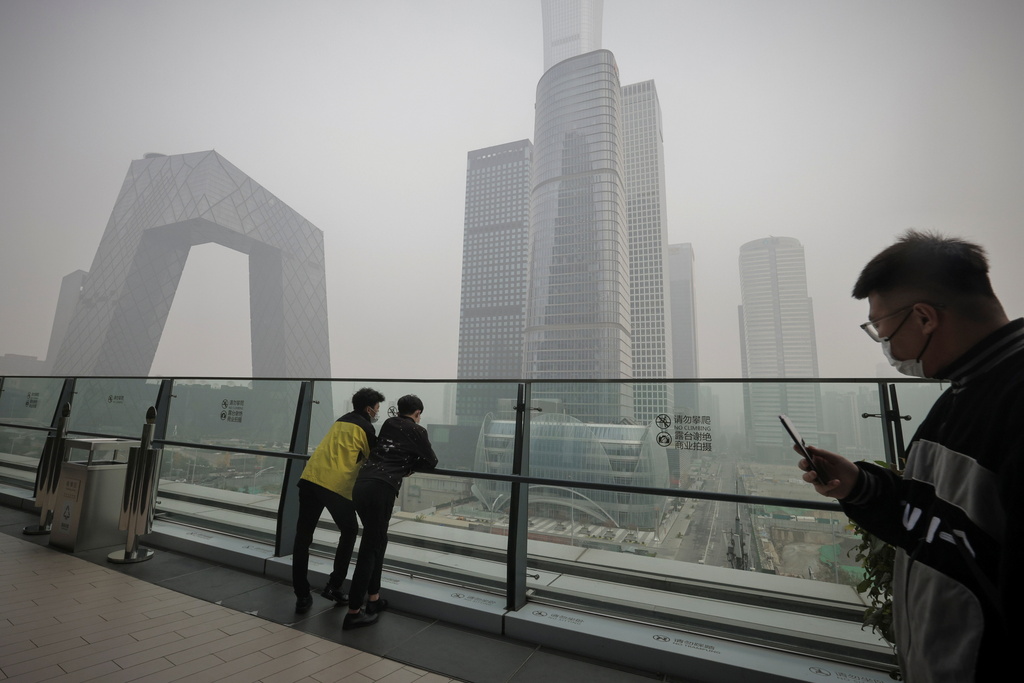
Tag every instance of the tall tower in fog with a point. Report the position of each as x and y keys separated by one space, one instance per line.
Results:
x=650 y=299
x=776 y=322
x=578 y=307
x=685 y=361
x=494 y=266
x=571 y=28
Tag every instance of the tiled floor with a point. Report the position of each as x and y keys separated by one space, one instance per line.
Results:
x=79 y=618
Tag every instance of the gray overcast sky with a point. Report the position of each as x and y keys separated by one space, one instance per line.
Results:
x=839 y=123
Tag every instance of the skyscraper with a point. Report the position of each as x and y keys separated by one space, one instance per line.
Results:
x=578 y=306
x=776 y=321
x=495 y=250
x=685 y=359
x=571 y=28
x=650 y=299
x=689 y=397
x=166 y=205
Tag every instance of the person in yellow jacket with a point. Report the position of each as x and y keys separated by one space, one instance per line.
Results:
x=327 y=482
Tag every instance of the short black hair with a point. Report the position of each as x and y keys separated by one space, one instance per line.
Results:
x=945 y=269
x=409 y=404
x=365 y=398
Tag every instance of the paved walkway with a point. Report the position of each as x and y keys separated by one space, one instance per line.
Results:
x=65 y=619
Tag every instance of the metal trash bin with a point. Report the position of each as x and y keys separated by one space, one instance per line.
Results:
x=85 y=516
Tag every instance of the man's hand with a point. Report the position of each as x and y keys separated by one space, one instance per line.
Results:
x=841 y=473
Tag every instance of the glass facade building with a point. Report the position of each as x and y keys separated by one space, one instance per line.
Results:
x=685 y=358
x=166 y=205
x=562 y=447
x=578 y=306
x=495 y=252
x=650 y=298
x=776 y=321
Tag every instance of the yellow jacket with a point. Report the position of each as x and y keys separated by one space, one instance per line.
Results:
x=336 y=461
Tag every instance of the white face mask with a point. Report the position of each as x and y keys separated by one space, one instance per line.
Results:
x=912 y=368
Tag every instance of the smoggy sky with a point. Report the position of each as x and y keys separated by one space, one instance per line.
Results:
x=838 y=123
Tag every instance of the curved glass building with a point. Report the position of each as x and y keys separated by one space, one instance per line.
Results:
x=578 y=308
x=562 y=447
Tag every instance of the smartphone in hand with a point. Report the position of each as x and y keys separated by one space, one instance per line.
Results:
x=802 y=445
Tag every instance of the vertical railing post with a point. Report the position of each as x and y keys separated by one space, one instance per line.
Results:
x=288 y=505
x=518 y=520
x=163 y=409
x=896 y=421
x=887 y=438
x=51 y=460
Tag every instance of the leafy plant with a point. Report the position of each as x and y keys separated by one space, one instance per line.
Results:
x=877 y=558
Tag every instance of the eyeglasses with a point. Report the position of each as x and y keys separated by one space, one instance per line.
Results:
x=872 y=330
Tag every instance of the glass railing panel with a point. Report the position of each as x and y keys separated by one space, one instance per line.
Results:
x=112 y=406
x=786 y=541
x=717 y=423
x=719 y=568
x=32 y=402
x=236 y=413
x=915 y=400
x=24 y=445
x=221 y=490
x=441 y=528
x=703 y=441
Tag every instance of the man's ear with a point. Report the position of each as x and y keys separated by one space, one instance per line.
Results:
x=928 y=316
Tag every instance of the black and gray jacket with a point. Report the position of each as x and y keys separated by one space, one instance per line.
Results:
x=956 y=518
x=402 y=448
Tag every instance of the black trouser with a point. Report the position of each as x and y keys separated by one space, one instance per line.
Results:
x=374 y=501
x=313 y=498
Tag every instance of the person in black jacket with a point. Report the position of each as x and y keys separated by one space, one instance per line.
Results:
x=402 y=448
x=955 y=514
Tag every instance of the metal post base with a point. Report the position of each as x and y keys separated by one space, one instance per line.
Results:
x=36 y=530
x=124 y=557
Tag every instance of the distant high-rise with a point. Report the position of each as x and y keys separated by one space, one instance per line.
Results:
x=650 y=299
x=578 y=305
x=777 y=340
x=685 y=361
x=687 y=395
x=166 y=205
x=495 y=251
x=571 y=28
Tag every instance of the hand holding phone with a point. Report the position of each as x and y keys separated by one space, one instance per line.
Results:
x=802 y=445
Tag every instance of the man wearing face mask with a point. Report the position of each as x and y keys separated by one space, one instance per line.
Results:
x=955 y=513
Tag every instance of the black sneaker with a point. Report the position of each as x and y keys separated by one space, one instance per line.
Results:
x=376 y=606
x=303 y=604
x=358 y=620
x=335 y=594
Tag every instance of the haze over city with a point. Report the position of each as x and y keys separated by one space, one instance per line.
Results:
x=839 y=124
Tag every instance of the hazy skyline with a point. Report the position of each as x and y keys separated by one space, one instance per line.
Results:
x=839 y=124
